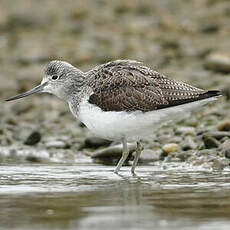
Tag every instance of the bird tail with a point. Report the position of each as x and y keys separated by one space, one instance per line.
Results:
x=210 y=93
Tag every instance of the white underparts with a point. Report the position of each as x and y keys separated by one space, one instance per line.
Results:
x=131 y=125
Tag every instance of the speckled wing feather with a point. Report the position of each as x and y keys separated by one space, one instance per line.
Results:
x=128 y=86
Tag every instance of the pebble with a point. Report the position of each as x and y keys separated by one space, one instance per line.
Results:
x=210 y=142
x=218 y=134
x=174 y=159
x=114 y=151
x=56 y=144
x=188 y=143
x=206 y=152
x=218 y=165
x=227 y=153
x=33 y=138
x=224 y=125
x=95 y=142
x=199 y=162
x=226 y=149
x=33 y=159
x=191 y=122
x=171 y=147
x=225 y=90
x=218 y=62
x=226 y=144
x=148 y=155
x=187 y=130
x=222 y=140
x=176 y=139
x=209 y=28
x=183 y=156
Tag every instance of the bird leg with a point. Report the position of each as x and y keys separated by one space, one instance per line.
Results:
x=137 y=155
x=125 y=154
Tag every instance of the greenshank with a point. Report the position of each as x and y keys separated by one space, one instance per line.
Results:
x=121 y=100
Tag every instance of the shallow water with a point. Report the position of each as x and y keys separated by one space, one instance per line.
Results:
x=89 y=196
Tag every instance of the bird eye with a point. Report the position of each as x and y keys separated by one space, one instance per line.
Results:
x=54 y=77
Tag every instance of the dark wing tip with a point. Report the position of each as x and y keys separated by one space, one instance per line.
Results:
x=211 y=93
x=202 y=96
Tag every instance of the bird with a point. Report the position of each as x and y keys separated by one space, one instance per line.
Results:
x=121 y=100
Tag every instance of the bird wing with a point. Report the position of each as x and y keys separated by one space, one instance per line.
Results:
x=129 y=86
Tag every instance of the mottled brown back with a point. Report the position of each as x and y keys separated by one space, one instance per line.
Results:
x=126 y=86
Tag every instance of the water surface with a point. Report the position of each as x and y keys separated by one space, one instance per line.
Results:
x=89 y=196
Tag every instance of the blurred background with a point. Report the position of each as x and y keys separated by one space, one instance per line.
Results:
x=188 y=181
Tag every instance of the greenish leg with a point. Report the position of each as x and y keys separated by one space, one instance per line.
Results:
x=124 y=155
x=137 y=155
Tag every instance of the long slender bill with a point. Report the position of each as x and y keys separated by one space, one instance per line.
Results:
x=36 y=89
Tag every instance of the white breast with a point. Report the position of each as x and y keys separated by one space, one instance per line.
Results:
x=132 y=125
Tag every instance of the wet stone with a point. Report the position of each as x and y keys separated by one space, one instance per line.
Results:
x=33 y=159
x=227 y=153
x=218 y=165
x=186 y=130
x=210 y=142
x=176 y=139
x=199 y=162
x=56 y=144
x=226 y=149
x=148 y=155
x=183 y=156
x=172 y=158
x=206 y=152
x=22 y=108
x=225 y=144
x=225 y=91
x=95 y=142
x=224 y=125
x=209 y=28
x=11 y=121
x=114 y=151
x=171 y=147
x=218 y=63
x=188 y=143
x=192 y=122
x=222 y=140
x=33 y=138
x=218 y=134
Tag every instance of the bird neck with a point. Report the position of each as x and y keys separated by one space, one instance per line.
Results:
x=74 y=90
x=72 y=86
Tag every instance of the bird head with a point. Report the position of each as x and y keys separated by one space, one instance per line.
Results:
x=60 y=78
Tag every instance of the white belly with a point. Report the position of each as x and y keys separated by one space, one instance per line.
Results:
x=131 y=125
